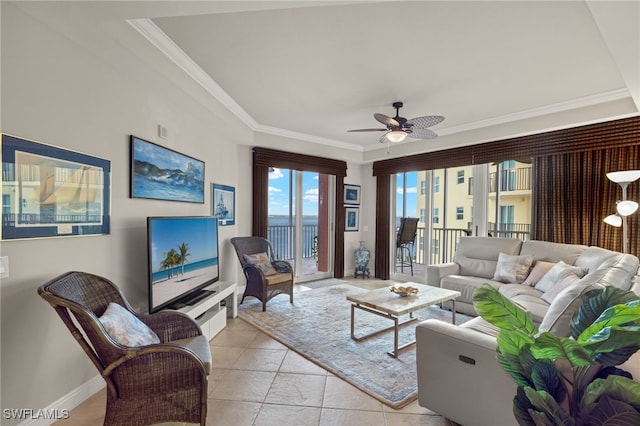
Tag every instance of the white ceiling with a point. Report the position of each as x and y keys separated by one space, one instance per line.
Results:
x=315 y=69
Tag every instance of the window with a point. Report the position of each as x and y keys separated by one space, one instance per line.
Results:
x=435 y=245
x=422 y=187
x=459 y=213
x=423 y=215
x=436 y=215
x=436 y=184
x=460 y=177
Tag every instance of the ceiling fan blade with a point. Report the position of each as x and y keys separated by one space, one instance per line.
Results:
x=422 y=134
x=426 y=121
x=367 y=130
x=385 y=119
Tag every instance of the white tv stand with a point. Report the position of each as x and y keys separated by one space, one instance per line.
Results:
x=210 y=314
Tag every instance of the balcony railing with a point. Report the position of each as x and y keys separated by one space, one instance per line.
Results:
x=282 y=240
x=511 y=180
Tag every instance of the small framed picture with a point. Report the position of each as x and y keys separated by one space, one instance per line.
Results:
x=352 y=195
x=223 y=204
x=351 y=219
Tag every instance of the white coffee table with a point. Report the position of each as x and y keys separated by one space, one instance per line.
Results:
x=389 y=305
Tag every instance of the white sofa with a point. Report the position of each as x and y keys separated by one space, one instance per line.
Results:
x=458 y=376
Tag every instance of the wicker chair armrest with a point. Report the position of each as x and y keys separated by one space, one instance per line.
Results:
x=253 y=273
x=171 y=325
x=282 y=266
x=156 y=361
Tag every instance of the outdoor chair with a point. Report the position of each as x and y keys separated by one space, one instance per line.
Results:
x=266 y=277
x=162 y=381
x=405 y=243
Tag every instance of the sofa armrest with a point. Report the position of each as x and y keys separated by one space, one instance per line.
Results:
x=456 y=366
x=436 y=272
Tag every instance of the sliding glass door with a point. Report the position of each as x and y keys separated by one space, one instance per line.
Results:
x=300 y=220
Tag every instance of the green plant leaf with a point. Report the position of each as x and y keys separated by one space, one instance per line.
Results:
x=545 y=377
x=501 y=312
x=548 y=346
x=596 y=301
x=512 y=366
x=545 y=403
x=513 y=341
x=617 y=357
x=614 y=316
x=610 y=412
x=521 y=407
x=615 y=387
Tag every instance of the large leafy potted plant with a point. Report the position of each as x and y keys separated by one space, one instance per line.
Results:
x=570 y=380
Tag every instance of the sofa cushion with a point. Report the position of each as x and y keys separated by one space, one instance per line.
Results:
x=597 y=258
x=552 y=252
x=557 y=273
x=569 y=279
x=465 y=285
x=537 y=272
x=512 y=290
x=478 y=256
x=558 y=316
x=533 y=304
x=512 y=269
x=481 y=325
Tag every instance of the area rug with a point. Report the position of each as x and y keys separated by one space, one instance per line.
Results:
x=317 y=326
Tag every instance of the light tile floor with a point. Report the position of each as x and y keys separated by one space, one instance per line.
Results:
x=257 y=381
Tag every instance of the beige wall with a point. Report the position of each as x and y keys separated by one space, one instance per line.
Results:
x=87 y=88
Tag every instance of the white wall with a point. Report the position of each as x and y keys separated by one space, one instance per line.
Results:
x=87 y=88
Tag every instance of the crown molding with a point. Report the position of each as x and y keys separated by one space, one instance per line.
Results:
x=149 y=30
x=586 y=101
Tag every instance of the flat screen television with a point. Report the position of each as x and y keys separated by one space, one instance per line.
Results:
x=183 y=259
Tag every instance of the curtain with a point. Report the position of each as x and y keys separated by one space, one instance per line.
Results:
x=264 y=158
x=572 y=196
x=383 y=244
x=551 y=198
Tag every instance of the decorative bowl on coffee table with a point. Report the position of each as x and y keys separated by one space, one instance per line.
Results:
x=404 y=291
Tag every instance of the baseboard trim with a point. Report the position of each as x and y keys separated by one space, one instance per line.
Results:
x=69 y=401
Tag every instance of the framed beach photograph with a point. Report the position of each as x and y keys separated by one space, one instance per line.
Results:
x=164 y=174
x=351 y=219
x=352 y=194
x=48 y=191
x=223 y=204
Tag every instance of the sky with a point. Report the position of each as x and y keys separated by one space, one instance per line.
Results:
x=279 y=193
x=167 y=233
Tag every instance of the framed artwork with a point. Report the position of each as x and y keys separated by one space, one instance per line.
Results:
x=352 y=194
x=351 y=220
x=164 y=174
x=223 y=204
x=49 y=191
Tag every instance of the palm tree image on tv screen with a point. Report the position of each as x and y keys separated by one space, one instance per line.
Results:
x=183 y=257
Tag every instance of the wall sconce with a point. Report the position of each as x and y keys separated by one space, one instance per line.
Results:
x=625 y=207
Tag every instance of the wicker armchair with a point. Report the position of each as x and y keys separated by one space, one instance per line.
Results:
x=260 y=285
x=146 y=384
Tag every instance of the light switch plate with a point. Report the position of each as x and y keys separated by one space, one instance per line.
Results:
x=4 y=267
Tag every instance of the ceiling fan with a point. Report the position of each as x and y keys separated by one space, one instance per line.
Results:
x=398 y=128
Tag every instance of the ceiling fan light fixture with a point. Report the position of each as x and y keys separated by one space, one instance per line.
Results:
x=396 y=135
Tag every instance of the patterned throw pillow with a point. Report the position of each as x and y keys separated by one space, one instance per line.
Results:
x=125 y=328
x=261 y=261
x=512 y=269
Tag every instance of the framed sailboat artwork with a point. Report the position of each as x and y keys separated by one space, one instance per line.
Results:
x=48 y=191
x=223 y=204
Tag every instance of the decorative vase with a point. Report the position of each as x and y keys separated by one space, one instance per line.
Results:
x=362 y=256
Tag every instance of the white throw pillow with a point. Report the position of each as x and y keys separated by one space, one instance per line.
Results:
x=512 y=269
x=125 y=328
x=569 y=279
x=557 y=273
